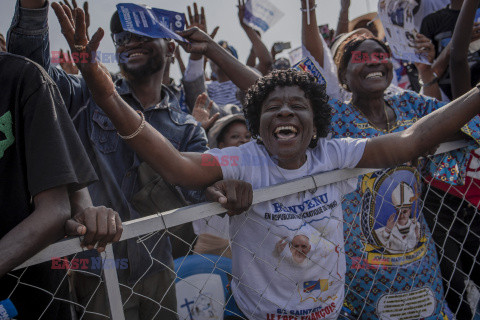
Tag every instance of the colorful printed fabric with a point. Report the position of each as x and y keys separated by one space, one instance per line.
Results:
x=392 y=266
x=451 y=167
x=401 y=74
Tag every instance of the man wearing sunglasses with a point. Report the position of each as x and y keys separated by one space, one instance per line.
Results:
x=142 y=64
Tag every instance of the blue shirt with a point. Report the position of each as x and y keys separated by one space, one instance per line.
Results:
x=114 y=161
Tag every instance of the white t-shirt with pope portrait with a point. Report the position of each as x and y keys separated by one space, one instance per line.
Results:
x=288 y=254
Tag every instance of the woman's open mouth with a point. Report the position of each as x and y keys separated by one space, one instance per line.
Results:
x=374 y=75
x=285 y=133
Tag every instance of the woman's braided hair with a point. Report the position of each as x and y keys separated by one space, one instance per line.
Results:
x=314 y=92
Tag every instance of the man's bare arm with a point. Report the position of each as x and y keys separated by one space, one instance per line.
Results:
x=42 y=227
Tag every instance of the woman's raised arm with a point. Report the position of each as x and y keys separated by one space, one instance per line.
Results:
x=462 y=36
x=428 y=132
x=184 y=169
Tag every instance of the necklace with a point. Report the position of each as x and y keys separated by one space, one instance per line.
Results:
x=386 y=116
x=387 y=130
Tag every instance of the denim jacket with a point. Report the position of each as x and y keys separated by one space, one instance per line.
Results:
x=115 y=163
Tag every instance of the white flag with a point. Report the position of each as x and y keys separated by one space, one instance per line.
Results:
x=261 y=14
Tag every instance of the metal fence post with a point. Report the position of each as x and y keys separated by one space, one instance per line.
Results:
x=113 y=288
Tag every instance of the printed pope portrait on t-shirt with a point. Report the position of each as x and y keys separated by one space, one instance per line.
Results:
x=390 y=216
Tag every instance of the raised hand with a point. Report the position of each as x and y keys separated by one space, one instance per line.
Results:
x=66 y=3
x=66 y=62
x=199 y=40
x=345 y=4
x=74 y=30
x=234 y=195
x=199 y=20
x=241 y=13
x=85 y=9
x=87 y=17
x=424 y=46
x=202 y=110
x=281 y=244
x=343 y=17
x=417 y=229
x=390 y=223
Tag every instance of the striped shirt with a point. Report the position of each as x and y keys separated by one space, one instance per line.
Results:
x=223 y=93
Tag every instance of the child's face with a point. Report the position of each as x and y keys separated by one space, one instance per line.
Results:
x=236 y=135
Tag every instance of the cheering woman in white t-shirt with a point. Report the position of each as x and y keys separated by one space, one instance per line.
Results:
x=288 y=116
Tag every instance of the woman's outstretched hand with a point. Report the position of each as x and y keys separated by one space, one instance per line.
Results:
x=84 y=51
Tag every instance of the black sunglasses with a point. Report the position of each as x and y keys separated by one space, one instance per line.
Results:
x=124 y=37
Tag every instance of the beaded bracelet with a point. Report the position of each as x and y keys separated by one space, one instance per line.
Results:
x=142 y=125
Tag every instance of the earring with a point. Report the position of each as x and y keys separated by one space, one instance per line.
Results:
x=344 y=86
x=314 y=137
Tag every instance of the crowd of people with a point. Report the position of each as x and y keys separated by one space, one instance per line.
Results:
x=399 y=243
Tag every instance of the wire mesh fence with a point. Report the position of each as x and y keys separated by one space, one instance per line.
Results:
x=395 y=248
